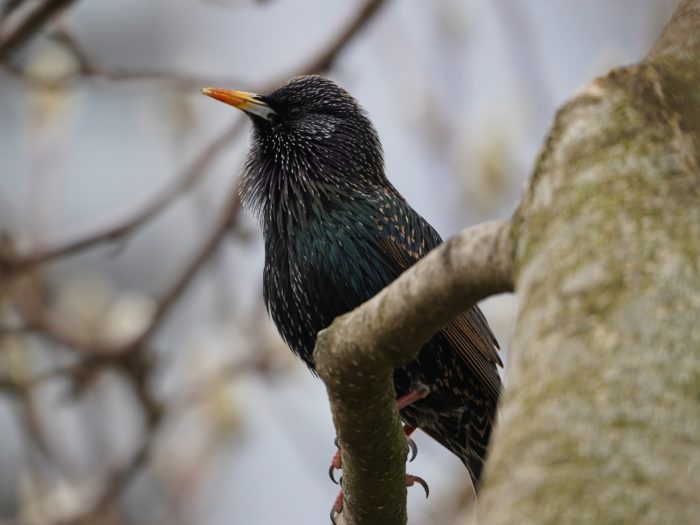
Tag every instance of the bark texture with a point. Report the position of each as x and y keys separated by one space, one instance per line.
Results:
x=601 y=418
x=600 y=422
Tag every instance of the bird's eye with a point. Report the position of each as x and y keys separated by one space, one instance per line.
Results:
x=294 y=113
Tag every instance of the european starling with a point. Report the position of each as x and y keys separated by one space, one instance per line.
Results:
x=337 y=232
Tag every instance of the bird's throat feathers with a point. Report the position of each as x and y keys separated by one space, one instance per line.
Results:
x=286 y=185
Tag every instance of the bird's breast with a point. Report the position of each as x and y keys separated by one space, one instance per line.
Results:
x=318 y=272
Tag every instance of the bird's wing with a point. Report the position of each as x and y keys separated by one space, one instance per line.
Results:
x=405 y=238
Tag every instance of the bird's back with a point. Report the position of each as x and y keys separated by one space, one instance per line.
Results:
x=332 y=261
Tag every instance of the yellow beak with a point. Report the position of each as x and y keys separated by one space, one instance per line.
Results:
x=249 y=102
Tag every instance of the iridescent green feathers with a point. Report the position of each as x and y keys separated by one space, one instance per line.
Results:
x=336 y=233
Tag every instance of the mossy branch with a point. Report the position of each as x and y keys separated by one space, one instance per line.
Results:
x=357 y=354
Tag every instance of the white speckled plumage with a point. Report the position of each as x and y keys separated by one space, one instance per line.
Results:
x=336 y=232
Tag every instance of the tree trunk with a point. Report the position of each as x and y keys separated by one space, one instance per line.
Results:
x=600 y=422
x=601 y=418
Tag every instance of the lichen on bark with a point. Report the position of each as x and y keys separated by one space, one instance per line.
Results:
x=601 y=419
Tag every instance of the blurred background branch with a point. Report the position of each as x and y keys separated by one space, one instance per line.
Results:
x=30 y=25
x=25 y=287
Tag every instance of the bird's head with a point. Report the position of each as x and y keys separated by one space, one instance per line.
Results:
x=311 y=142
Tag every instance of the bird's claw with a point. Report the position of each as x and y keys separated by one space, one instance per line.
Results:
x=413 y=449
x=337 y=507
x=336 y=463
x=412 y=480
x=331 y=471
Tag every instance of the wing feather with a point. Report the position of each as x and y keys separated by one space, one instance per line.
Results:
x=406 y=238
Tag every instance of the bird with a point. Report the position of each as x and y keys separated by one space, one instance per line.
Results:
x=336 y=231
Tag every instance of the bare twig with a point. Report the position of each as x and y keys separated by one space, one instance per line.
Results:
x=264 y=364
x=31 y=25
x=88 y=67
x=156 y=204
x=101 y=353
x=325 y=60
x=8 y=7
x=170 y=298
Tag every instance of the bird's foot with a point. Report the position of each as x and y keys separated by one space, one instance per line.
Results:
x=412 y=448
x=416 y=394
x=337 y=507
x=337 y=461
x=410 y=481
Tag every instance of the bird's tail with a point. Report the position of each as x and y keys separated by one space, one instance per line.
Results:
x=477 y=427
x=467 y=436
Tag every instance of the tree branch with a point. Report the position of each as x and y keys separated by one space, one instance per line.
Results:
x=31 y=25
x=88 y=67
x=136 y=218
x=357 y=354
x=325 y=60
x=676 y=55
